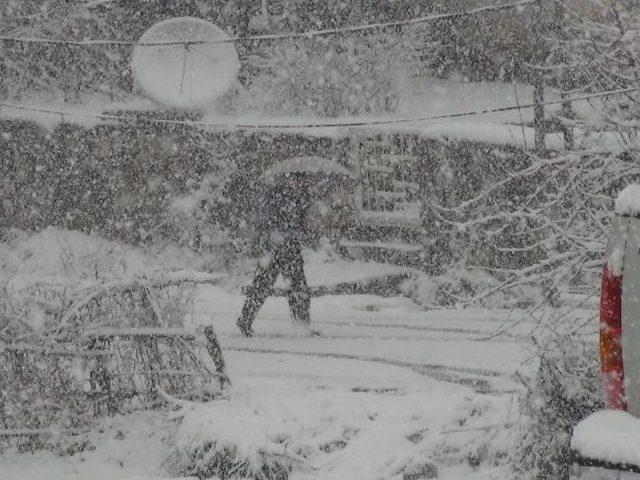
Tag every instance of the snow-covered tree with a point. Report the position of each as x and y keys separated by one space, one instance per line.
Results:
x=332 y=77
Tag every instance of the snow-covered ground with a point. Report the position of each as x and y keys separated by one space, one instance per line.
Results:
x=385 y=388
x=423 y=98
x=388 y=390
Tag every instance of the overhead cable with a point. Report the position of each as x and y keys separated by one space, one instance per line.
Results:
x=310 y=125
x=275 y=36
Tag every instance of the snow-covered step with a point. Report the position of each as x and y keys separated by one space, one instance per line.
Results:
x=399 y=246
x=386 y=233
x=378 y=169
x=398 y=253
x=400 y=218
x=398 y=158
x=408 y=187
x=390 y=195
x=410 y=208
x=378 y=201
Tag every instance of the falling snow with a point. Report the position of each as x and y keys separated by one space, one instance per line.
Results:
x=285 y=240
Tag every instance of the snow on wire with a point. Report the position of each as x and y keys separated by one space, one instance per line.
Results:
x=278 y=36
x=335 y=124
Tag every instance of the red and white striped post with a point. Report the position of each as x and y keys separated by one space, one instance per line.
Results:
x=610 y=340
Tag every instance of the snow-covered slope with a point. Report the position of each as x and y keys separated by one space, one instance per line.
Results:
x=387 y=391
x=424 y=98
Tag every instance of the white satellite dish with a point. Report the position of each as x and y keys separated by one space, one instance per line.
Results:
x=178 y=64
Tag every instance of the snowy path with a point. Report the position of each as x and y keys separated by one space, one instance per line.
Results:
x=447 y=345
x=445 y=366
x=386 y=387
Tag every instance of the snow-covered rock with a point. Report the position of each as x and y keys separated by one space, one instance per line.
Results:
x=611 y=436
x=628 y=202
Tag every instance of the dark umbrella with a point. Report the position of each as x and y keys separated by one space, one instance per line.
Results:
x=323 y=174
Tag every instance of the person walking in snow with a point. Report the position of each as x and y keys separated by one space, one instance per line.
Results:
x=281 y=223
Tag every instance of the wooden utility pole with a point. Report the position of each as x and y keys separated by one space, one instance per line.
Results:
x=567 y=128
x=557 y=29
x=567 y=108
x=538 y=115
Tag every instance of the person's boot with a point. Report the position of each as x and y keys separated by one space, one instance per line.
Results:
x=248 y=314
x=300 y=304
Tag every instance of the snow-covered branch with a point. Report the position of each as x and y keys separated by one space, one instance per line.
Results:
x=121 y=286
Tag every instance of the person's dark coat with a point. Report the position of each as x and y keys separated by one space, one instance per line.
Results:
x=282 y=210
x=281 y=221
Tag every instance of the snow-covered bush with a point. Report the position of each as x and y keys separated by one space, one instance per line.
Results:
x=358 y=74
x=139 y=183
x=198 y=220
x=241 y=437
x=277 y=434
x=88 y=328
x=483 y=47
x=528 y=221
x=460 y=287
x=565 y=390
x=215 y=461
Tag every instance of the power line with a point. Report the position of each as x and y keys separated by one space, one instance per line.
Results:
x=302 y=126
x=277 y=36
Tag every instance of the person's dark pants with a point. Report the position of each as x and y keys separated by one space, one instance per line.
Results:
x=286 y=259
